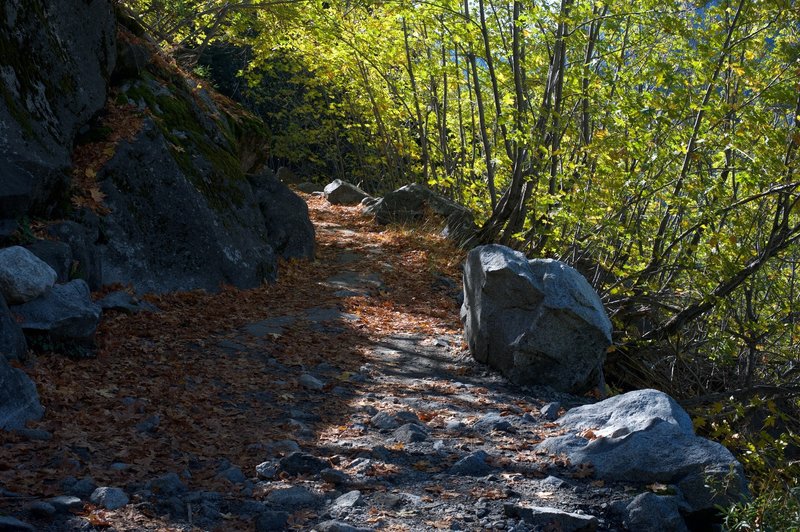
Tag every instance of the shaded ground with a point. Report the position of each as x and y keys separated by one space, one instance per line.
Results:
x=207 y=386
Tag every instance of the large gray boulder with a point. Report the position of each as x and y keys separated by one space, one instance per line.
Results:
x=413 y=202
x=12 y=340
x=65 y=312
x=19 y=402
x=289 y=229
x=23 y=275
x=163 y=233
x=340 y=192
x=645 y=437
x=537 y=322
x=53 y=72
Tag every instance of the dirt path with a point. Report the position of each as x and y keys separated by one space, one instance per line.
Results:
x=354 y=362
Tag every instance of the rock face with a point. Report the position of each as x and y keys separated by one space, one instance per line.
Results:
x=413 y=202
x=53 y=74
x=23 y=276
x=538 y=321
x=645 y=436
x=19 y=402
x=65 y=312
x=12 y=340
x=341 y=192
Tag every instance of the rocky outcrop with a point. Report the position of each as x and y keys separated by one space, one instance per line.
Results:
x=414 y=202
x=646 y=437
x=538 y=321
x=289 y=229
x=53 y=78
x=340 y=192
x=19 y=402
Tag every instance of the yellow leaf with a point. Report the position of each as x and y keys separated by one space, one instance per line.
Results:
x=90 y=173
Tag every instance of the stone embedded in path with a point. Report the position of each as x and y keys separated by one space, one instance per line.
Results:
x=473 y=465
x=65 y=312
x=384 y=421
x=334 y=476
x=552 y=518
x=645 y=436
x=65 y=503
x=310 y=382
x=339 y=526
x=550 y=411
x=348 y=500
x=292 y=498
x=538 y=321
x=341 y=192
x=300 y=463
x=167 y=485
x=124 y=302
x=410 y=433
x=23 y=275
x=109 y=498
x=267 y=470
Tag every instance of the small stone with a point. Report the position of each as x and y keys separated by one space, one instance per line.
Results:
x=339 y=526
x=41 y=509
x=473 y=465
x=410 y=433
x=302 y=464
x=333 y=476
x=81 y=488
x=291 y=498
x=270 y=521
x=119 y=466
x=167 y=485
x=384 y=421
x=552 y=482
x=109 y=498
x=65 y=503
x=150 y=424
x=348 y=500
x=551 y=518
x=550 y=411
x=406 y=416
x=233 y=475
x=267 y=470
x=310 y=382
x=282 y=448
x=12 y=524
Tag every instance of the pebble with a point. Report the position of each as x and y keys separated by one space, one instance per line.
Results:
x=150 y=424
x=281 y=447
x=310 y=382
x=348 y=500
x=109 y=498
x=292 y=498
x=299 y=463
x=234 y=475
x=550 y=411
x=81 y=488
x=267 y=470
x=473 y=465
x=333 y=476
x=65 y=503
x=384 y=421
x=167 y=485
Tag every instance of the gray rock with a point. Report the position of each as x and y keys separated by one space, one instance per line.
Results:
x=174 y=226
x=334 y=476
x=649 y=511
x=19 y=401
x=410 y=432
x=299 y=463
x=167 y=485
x=339 y=526
x=289 y=229
x=23 y=275
x=493 y=421
x=348 y=500
x=412 y=202
x=40 y=509
x=54 y=80
x=552 y=518
x=341 y=192
x=309 y=187
x=34 y=434
x=12 y=524
x=57 y=255
x=274 y=325
x=267 y=470
x=233 y=475
x=65 y=503
x=109 y=498
x=82 y=488
x=272 y=521
x=384 y=421
x=292 y=498
x=12 y=340
x=81 y=239
x=124 y=302
x=150 y=424
x=645 y=436
x=281 y=447
x=473 y=465
x=65 y=312
x=538 y=321
x=310 y=382
x=550 y=411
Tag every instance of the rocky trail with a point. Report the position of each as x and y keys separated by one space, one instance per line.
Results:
x=341 y=397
